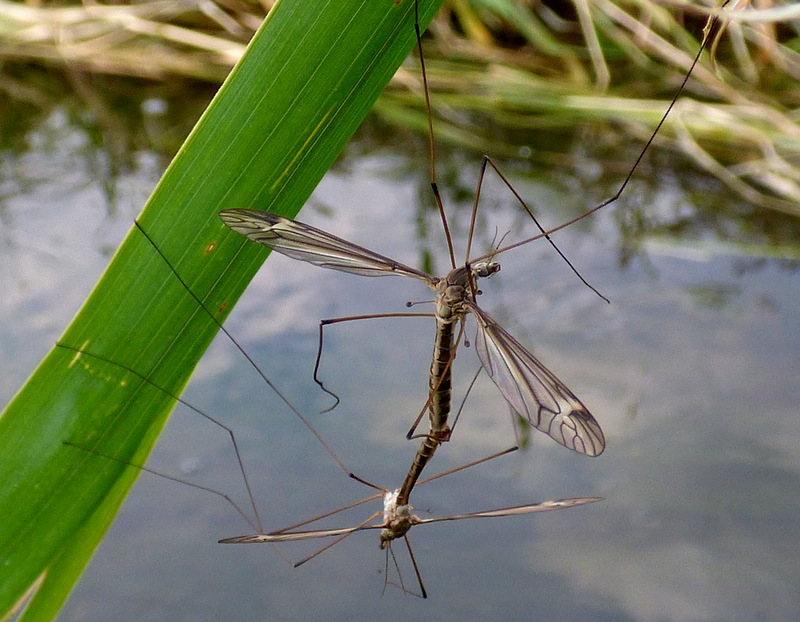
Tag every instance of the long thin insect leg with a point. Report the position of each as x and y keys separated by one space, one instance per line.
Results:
x=434 y=185
x=386 y=570
x=188 y=405
x=264 y=377
x=469 y=465
x=146 y=469
x=707 y=33
x=333 y=543
x=416 y=568
x=402 y=586
x=464 y=400
x=432 y=392
x=487 y=160
x=311 y=521
x=327 y=322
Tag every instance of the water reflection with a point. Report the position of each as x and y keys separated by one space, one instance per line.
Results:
x=692 y=371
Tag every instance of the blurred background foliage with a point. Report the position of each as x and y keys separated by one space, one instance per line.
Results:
x=511 y=77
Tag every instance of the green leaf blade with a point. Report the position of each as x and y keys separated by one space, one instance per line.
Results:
x=284 y=114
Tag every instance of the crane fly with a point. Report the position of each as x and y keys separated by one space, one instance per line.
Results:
x=397 y=512
x=528 y=386
x=397 y=516
x=397 y=520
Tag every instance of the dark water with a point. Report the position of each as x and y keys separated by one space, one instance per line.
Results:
x=692 y=371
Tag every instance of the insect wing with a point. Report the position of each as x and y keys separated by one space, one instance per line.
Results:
x=292 y=536
x=533 y=391
x=306 y=243
x=530 y=508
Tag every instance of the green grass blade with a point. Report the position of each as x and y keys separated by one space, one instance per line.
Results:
x=308 y=78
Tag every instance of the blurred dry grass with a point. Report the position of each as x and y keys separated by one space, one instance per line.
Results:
x=520 y=64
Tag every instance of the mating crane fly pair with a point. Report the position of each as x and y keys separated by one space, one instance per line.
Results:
x=526 y=384
x=531 y=389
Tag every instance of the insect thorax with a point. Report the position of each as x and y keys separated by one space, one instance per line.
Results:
x=397 y=519
x=454 y=289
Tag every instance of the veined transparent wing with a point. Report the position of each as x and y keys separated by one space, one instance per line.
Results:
x=293 y=536
x=533 y=391
x=530 y=508
x=306 y=243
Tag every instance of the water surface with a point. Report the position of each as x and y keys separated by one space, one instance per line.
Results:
x=691 y=370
